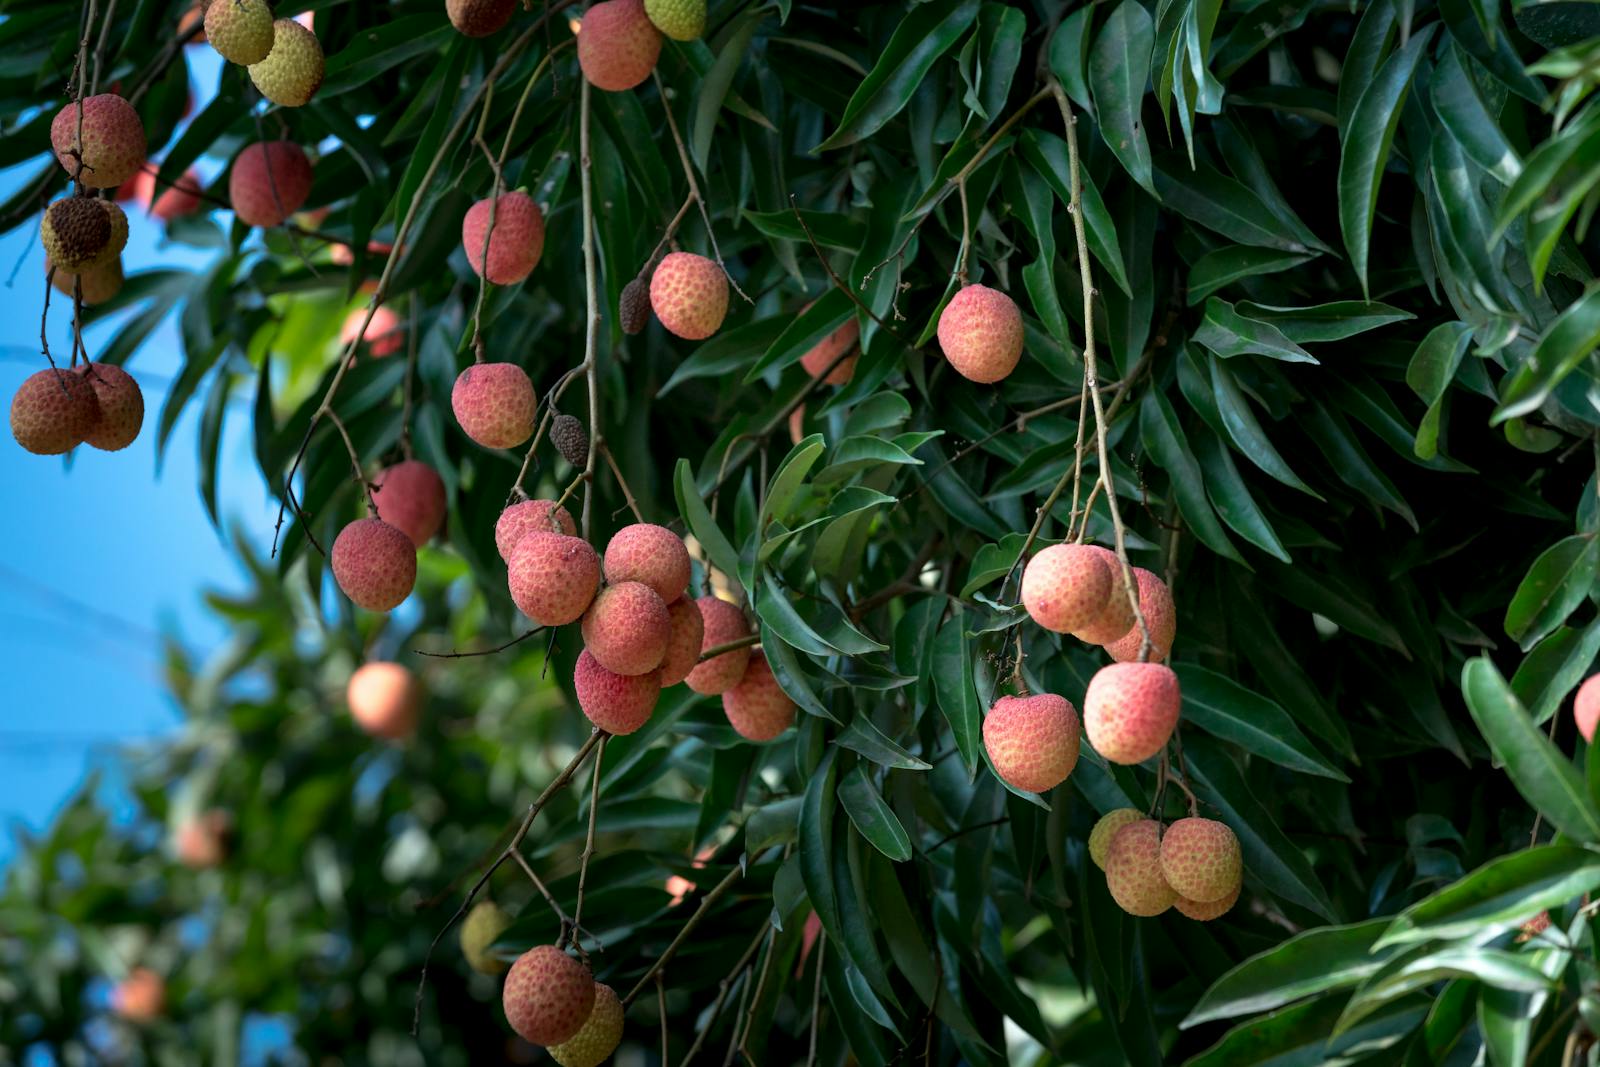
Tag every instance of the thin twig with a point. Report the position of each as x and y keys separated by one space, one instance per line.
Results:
x=355 y=462
x=588 y=844
x=706 y=903
x=816 y=996
x=550 y=400
x=591 y=293
x=729 y=646
x=544 y=891
x=761 y=985
x=661 y=1013
x=694 y=185
x=483 y=652
x=724 y=987
x=633 y=504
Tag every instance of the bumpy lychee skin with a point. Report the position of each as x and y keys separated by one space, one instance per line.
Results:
x=1033 y=740
x=479 y=18
x=76 y=233
x=600 y=1036
x=683 y=646
x=1585 y=706
x=410 y=495
x=758 y=708
x=1065 y=587
x=241 y=30
x=980 y=332
x=99 y=284
x=52 y=411
x=516 y=243
x=1205 y=911
x=141 y=997
x=654 y=555
x=270 y=181
x=1130 y=710
x=525 y=518
x=682 y=20
x=689 y=293
x=1133 y=870
x=1200 y=859
x=618 y=45
x=723 y=622
x=292 y=71
x=119 y=232
x=385 y=700
x=627 y=627
x=479 y=930
x=383 y=336
x=1160 y=615
x=495 y=404
x=548 y=995
x=1100 y=837
x=616 y=703
x=830 y=348
x=113 y=140
x=1117 y=615
x=375 y=564
x=119 y=403
x=553 y=577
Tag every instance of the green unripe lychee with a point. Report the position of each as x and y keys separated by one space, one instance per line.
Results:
x=241 y=31
x=682 y=20
x=292 y=71
x=479 y=930
x=600 y=1036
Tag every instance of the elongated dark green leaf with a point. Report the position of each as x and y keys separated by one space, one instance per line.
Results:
x=1554 y=667
x=1299 y=1034
x=1048 y=154
x=829 y=229
x=1216 y=270
x=1233 y=408
x=816 y=843
x=788 y=480
x=734 y=43
x=1161 y=434
x=872 y=817
x=1119 y=70
x=1553 y=588
x=1503 y=893
x=1231 y=498
x=1324 y=322
x=1219 y=203
x=383 y=46
x=1227 y=710
x=695 y=514
x=954 y=687
x=1309 y=963
x=776 y=609
x=1459 y=103
x=1493 y=967
x=728 y=352
x=776 y=823
x=1432 y=368
x=862 y=737
x=1567 y=343
x=1228 y=333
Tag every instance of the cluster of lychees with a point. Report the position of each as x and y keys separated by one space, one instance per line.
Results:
x=1193 y=865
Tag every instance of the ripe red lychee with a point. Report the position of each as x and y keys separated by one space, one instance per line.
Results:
x=292 y=71
x=99 y=284
x=495 y=404
x=1155 y=604
x=1106 y=828
x=689 y=293
x=1130 y=710
x=724 y=622
x=757 y=708
x=516 y=243
x=618 y=45
x=830 y=348
x=553 y=577
x=270 y=181
x=374 y=563
x=141 y=997
x=1585 y=706
x=616 y=703
x=119 y=405
x=76 y=233
x=241 y=30
x=410 y=495
x=201 y=841
x=526 y=517
x=1205 y=911
x=1117 y=615
x=654 y=555
x=113 y=140
x=52 y=411
x=980 y=332
x=1032 y=740
x=627 y=627
x=598 y=1038
x=479 y=18
x=385 y=700
x=182 y=197
x=1133 y=870
x=548 y=995
x=1200 y=859
x=479 y=931
x=383 y=336
x=1065 y=587
x=683 y=646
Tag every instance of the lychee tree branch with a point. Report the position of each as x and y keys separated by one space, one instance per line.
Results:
x=565 y=920
x=355 y=462
x=483 y=652
x=591 y=300
x=550 y=400
x=708 y=901
x=627 y=493
x=588 y=844
x=729 y=646
x=724 y=987
x=760 y=987
x=694 y=185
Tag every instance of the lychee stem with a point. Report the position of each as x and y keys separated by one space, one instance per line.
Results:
x=724 y=987
x=611 y=461
x=355 y=462
x=517 y=492
x=588 y=844
x=591 y=293
x=707 y=902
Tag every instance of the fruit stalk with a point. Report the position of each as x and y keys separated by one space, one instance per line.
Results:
x=716 y=893
x=588 y=845
x=591 y=295
x=694 y=186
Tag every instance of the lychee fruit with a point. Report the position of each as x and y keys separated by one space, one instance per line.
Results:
x=182 y=197
x=1160 y=616
x=1117 y=615
x=654 y=555
x=548 y=995
x=479 y=18
x=119 y=405
x=757 y=708
x=618 y=45
x=830 y=348
x=374 y=563
x=682 y=20
x=980 y=332
x=383 y=336
x=241 y=31
x=1130 y=710
x=633 y=306
x=292 y=71
x=410 y=495
x=600 y=1035
x=1585 y=706
x=1064 y=587
x=616 y=703
x=723 y=622
x=76 y=233
x=627 y=627
x=689 y=293
x=201 y=841
x=495 y=404
x=113 y=141
x=270 y=181
x=193 y=20
x=516 y=243
x=1133 y=870
x=526 y=517
x=553 y=577
x=99 y=284
x=479 y=930
x=1032 y=740
x=52 y=411
x=1200 y=859
x=342 y=255
x=141 y=997
x=570 y=439
x=1205 y=911
x=797 y=424
x=683 y=645
x=385 y=700
x=1109 y=824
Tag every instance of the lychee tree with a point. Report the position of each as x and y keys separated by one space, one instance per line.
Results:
x=985 y=533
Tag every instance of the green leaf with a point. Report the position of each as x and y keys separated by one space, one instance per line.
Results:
x=829 y=229
x=862 y=737
x=788 y=480
x=816 y=843
x=730 y=351
x=1493 y=967
x=1219 y=269
x=1228 y=333
x=1119 y=70
x=1554 y=668
x=1432 y=368
x=382 y=46
x=1553 y=588
x=1312 y=962
x=872 y=817
x=1460 y=105
x=955 y=688
x=1051 y=161
x=1219 y=203
x=1231 y=498
x=830 y=311
x=776 y=608
x=776 y=823
x=713 y=88
x=1230 y=712
x=1299 y=1034
x=1163 y=437
x=1503 y=893
x=1239 y=419
x=1566 y=343
x=706 y=531
x=1324 y=322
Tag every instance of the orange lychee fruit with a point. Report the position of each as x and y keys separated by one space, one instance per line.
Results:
x=292 y=71
x=1160 y=616
x=385 y=700
x=797 y=424
x=548 y=995
x=654 y=555
x=383 y=336
x=553 y=577
x=688 y=293
x=410 y=495
x=626 y=628
x=269 y=182
x=822 y=354
x=758 y=708
x=99 y=283
x=1064 y=587
x=113 y=141
x=1200 y=859
x=495 y=404
x=201 y=841
x=52 y=412
x=616 y=703
x=241 y=31
x=980 y=332
x=684 y=642
x=1130 y=710
x=723 y=622
x=599 y=1036
x=479 y=931
x=1032 y=740
x=525 y=518
x=1117 y=615
x=516 y=243
x=1585 y=706
x=182 y=197
x=141 y=997
x=479 y=18
x=1106 y=828
x=1205 y=911
x=374 y=563
x=193 y=21
x=119 y=406
x=1133 y=870
x=618 y=45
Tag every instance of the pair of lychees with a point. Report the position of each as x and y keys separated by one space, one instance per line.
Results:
x=55 y=410
x=374 y=560
x=552 y=999
x=284 y=57
x=619 y=41
x=1194 y=865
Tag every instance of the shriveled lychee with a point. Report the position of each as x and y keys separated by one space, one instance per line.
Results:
x=292 y=71
x=201 y=840
x=1585 y=706
x=1200 y=859
x=98 y=284
x=374 y=563
x=600 y=1035
x=241 y=30
x=141 y=997
x=1133 y=870
x=758 y=708
x=1109 y=824
x=526 y=517
x=113 y=144
x=683 y=645
x=553 y=577
x=689 y=293
x=52 y=411
x=119 y=232
x=270 y=181
x=633 y=306
x=1032 y=740
x=479 y=18
x=980 y=332
x=616 y=703
x=410 y=495
x=548 y=995
x=385 y=700
x=724 y=622
x=1117 y=615
x=495 y=404
x=570 y=439
x=479 y=931
x=1130 y=710
x=618 y=45
x=682 y=20
x=516 y=242
x=1205 y=911
x=119 y=405
x=1160 y=616
x=1064 y=587
x=383 y=336
x=627 y=627
x=821 y=356
x=654 y=555
x=76 y=233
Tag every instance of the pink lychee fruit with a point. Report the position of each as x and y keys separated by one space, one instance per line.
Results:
x=757 y=708
x=495 y=404
x=516 y=243
x=797 y=424
x=201 y=841
x=616 y=703
x=548 y=995
x=1133 y=870
x=830 y=348
x=1117 y=615
x=553 y=577
x=1585 y=706
x=479 y=18
x=113 y=140
x=1160 y=616
x=374 y=563
x=525 y=518
x=1106 y=828
x=269 y=182
x=385 y=700
x=627 y=627
x=618 y=45
x=410 y=495
x=1032 y=740
x=141 y=997
x=119 y=405
x=724 y=622
x=1130 y=710
x=689 y=293
x=1200 y=859
x=52 y=412
x=1064 y=587
x=383 y=336
x=1205 y=911
x=600 y=1035
x=683 y=645
x=182 y=197
x=654 y=555
x=980 y=332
